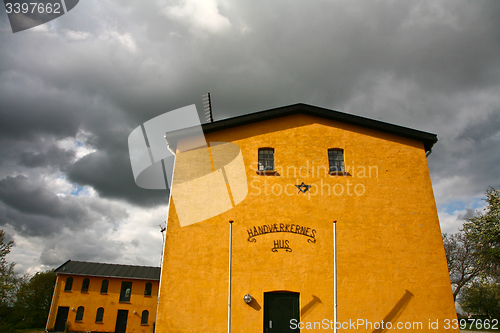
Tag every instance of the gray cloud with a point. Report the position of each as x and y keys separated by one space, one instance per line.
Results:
x=110 y=173
x=53 y=156
x=483 y=130
x=34 y=209
x=470 y=155
x=87 y=246
x=468 y=214
x=19 y=193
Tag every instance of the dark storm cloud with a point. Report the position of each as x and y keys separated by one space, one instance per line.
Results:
x=34 y=209
x=31 y=225
x=53 y=156
x=324 y=53
x=28 y=109
x=20 y=194
x=110 y=173
x=483 y=130
x=471 y=155
x=483 y=155
x=88 y=246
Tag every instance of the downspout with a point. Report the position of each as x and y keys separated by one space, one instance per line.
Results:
x=335 y=276
x=230 y=275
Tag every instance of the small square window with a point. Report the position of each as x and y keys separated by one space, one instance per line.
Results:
x=266 y=159
x=336 y=160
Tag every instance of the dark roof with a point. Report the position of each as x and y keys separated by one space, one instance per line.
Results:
x=428 y=139
x=109 y=270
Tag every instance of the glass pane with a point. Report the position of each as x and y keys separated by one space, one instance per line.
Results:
x=266 y=159
x=336 y=160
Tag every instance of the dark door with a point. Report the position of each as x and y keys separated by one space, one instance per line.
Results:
x=279 y=309
x=62 y=316
x=121 y=321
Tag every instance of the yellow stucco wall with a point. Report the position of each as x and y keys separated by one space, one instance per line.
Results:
x=93 y=299
x=391 y=260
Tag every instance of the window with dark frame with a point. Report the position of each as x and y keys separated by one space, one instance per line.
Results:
x=145 y=317
x=79 y=313
x=266 y=159
x=104 y=287
x=100 y=315
x=147 y=290
x=125 y=291
x=69 y=284
x=85 y=285
x=336 y=159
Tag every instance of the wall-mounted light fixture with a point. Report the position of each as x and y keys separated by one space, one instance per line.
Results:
x=248 y=298
x=72 y=309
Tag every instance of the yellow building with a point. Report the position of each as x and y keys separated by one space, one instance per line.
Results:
x=306 y=167
x=104 y=298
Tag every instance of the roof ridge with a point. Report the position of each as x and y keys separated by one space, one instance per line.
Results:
x=87 y=268
x=429 y=139
x=104 y=263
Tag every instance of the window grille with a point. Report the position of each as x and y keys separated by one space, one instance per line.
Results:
x=336 y=160
x=266 y=159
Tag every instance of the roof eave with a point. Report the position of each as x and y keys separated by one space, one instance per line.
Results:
x=108 y=276
x=428 y=139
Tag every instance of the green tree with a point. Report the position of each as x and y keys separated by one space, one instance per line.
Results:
x=482 y=298
x=484 y=230
x=463 y=263
x=8 y=278
x=34 y=297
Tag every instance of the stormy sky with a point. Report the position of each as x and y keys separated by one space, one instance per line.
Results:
x=73 y=89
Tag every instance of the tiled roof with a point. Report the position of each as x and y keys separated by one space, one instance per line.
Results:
x=109 y=270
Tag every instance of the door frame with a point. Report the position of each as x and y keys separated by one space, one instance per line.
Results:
x=272 y=295
x=59 y=308
x=118 y=317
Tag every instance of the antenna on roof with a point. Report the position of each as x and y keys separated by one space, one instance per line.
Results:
x=207 y=106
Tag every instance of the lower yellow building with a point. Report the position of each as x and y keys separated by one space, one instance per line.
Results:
x=303 y=168
x=104 y=298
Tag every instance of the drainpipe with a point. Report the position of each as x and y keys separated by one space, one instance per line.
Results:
x=230 y=275
x=335 y=276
